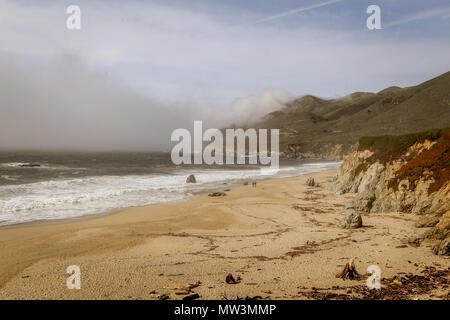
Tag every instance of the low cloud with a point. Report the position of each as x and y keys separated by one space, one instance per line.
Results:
x=65 y=105
x=247 y=111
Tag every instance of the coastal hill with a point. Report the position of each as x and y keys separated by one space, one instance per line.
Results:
x=330 y=128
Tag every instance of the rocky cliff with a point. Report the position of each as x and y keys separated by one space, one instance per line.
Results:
x=409 y=173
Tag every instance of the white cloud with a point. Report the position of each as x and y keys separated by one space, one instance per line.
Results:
x=177 y=53
x=180 y=59
x=249 y=110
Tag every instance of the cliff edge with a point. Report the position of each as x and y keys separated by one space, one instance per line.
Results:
x=408 y=173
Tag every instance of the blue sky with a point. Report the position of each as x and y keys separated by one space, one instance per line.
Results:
x=219 y=50
x=200 y=56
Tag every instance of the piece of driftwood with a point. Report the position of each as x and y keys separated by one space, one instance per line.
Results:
x=230 y=279
x=178 y=293
x=349 y=271
x=192 y=297
x=249 y=298
x=187 y=288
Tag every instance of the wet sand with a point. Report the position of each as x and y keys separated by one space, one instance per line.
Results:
x=280 y=238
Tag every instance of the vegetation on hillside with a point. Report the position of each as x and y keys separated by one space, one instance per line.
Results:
x=389 y=148
x=314 y=123
x=432 y=163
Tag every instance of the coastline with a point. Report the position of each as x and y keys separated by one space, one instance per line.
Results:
x=224 y=185
x=279 y=237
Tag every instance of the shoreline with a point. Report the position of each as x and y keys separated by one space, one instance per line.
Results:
x=280 y=237
x=227 y=185
x=35 y=223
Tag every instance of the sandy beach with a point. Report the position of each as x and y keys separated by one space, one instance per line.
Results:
x=280 y=238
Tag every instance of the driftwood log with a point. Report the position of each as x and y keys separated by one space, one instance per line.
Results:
x=184 y=290
x=230 y=279
x=349 y=271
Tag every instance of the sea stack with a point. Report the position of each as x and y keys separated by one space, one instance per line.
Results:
x=191 y=179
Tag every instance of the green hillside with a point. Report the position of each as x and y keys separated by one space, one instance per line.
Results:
x=314 y=124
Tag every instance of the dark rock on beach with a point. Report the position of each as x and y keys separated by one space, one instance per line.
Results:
x=30 y=165
x=191 y=179
x=310 y=182
x=351 y=219
x=217 y=194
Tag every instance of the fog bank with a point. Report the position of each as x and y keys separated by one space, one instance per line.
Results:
x=63 y=104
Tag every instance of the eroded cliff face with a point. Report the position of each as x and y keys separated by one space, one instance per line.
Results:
x=411 y=178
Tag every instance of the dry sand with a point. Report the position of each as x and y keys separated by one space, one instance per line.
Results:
x=280 y=238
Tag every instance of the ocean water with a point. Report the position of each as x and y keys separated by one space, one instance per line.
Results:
x=71 y=185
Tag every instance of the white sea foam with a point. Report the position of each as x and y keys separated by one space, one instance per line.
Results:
x=8 y=177
x=59 y=199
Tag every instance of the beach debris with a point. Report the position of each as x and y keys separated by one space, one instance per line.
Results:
x=310 y=182
x=182 y=293
x=192 y=296
x=191 y=179
x=246 y=183
x=403 y=286
x=445 y=296
x=266 y=291
x=188 y=288
x=195 y=285
x=230 y=279
x=401 y=246
x=163 y=297
x=217 y=194
x=184 y=290
x=349 y=271
x=249 y=298
x=414 y=242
